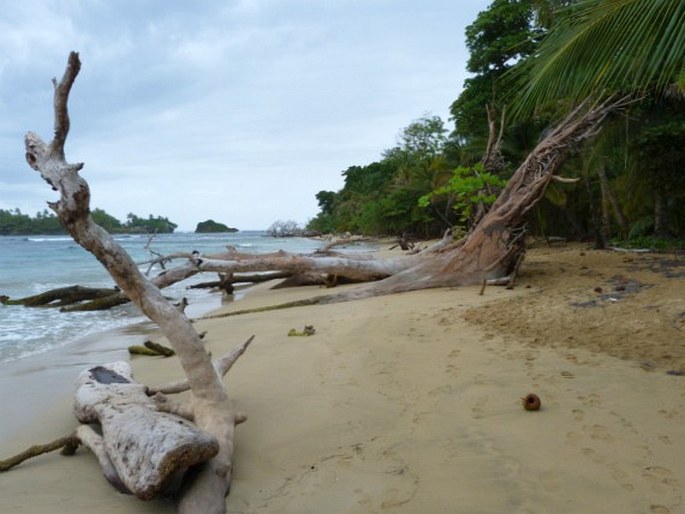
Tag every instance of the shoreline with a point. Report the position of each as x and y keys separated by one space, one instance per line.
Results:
x=46 y=378
x=402 y=404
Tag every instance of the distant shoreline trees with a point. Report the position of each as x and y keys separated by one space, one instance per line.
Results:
x=15 y=223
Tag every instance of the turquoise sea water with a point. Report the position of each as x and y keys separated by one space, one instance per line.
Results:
x=34 y=264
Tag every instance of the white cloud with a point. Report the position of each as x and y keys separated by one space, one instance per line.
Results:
x=238 y=111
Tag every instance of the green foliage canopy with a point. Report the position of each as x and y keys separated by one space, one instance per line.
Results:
x=14 y=222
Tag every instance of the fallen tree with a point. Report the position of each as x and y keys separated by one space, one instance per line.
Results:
x=492 y=251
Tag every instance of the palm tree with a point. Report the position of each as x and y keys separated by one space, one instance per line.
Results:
x=604 y=46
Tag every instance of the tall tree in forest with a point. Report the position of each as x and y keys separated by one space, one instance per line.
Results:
x=500 y=36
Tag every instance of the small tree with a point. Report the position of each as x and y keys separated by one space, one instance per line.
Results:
x=284 y=229
x=468 y=188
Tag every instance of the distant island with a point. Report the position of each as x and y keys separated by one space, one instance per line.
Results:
x=209 y=226
x=15 y=223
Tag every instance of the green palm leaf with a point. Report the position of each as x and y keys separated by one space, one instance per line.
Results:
x=602 y=46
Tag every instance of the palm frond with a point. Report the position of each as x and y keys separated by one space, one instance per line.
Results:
x=604 y=46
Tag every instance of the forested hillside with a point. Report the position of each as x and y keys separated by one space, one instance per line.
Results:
x=629 y=181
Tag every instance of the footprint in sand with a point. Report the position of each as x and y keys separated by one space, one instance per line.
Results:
x=479 y=409
x=452 y=370
x=573 y=437
x=623 y=479
x=660 y=509
x=668 y=414
x=591 y=399
x=592 y=454
x=578 y=414
x=665 y=439
x=599 y=433
x=480 y=379
x=661 y=478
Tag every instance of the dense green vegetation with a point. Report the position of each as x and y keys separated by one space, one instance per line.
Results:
x=533 y=61
x=14 y=222
x=213 y=226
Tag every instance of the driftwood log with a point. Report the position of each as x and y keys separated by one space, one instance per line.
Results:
x=212 y=410
x=61 y=296
x=146 y=447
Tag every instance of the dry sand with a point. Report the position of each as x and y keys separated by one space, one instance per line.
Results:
x=411 y=403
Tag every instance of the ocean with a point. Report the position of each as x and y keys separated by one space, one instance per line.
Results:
x=34 y=264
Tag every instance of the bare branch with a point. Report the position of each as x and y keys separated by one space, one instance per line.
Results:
x=222 y=366
x=69 y=443
x=62 y=89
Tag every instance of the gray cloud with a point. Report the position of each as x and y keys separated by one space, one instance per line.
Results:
x=239 y=111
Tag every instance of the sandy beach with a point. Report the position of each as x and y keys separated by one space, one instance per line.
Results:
x=412 y=403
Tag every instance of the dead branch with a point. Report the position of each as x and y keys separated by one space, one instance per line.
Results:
x=212 y=408
x=68 y=444
x=61 y=296
x=221 y=366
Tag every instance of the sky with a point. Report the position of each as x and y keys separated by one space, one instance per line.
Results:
x=238 y=111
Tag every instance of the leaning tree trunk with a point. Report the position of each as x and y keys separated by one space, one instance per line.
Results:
x=492 y=251
x=212 y=409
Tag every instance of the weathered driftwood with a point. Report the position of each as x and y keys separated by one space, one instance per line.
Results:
x=60 y=297
x=91 y=435
x=204 y=490
x=237 y=278
x=68 y=444
x=145 y=446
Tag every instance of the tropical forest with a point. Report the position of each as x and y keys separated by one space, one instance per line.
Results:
x=15 y=222
x=531 y=63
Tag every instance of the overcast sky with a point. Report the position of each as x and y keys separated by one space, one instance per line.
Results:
x=235 y=110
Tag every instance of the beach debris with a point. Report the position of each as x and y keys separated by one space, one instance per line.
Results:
x=309 y=330
x=531 y=402
x=622 y=288
x=404 y=242
x=68 y=444
x=61 y=297
x=157 y=444
x=135 y=431
x=152 y=349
